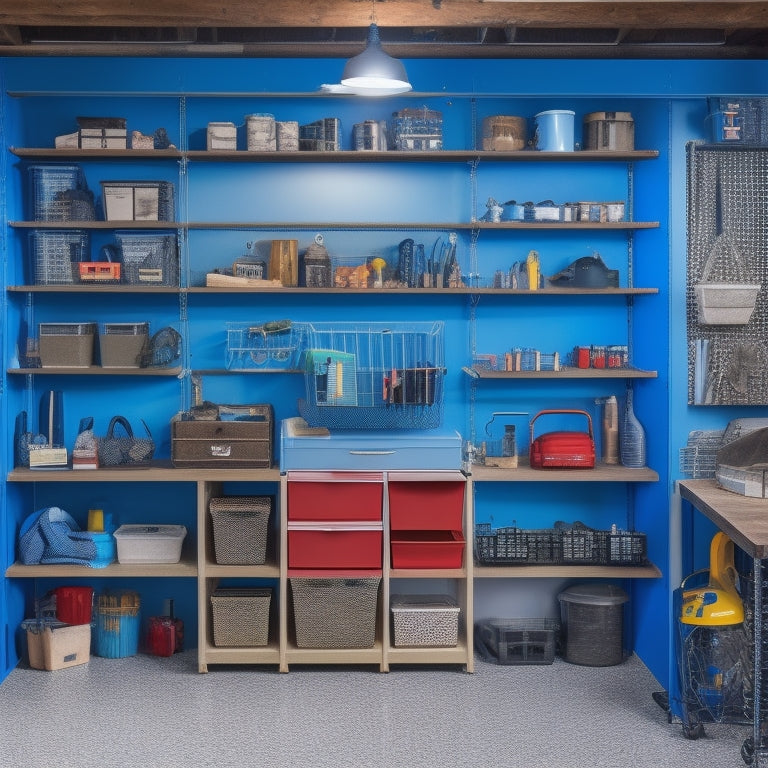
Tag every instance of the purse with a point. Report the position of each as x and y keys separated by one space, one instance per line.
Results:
x=126 y=450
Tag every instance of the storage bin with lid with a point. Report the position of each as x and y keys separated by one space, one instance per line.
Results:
x=609 y=131
x=593 y=618
x=149 y=543
x=554 y=131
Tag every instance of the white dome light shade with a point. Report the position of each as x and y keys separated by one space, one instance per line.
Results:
x=374 y=72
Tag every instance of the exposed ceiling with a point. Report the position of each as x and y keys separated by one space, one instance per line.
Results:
x=409 y=28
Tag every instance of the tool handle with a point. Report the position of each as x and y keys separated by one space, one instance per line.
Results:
x=563 y=410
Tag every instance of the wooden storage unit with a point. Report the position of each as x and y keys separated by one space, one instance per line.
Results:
x=185 y=303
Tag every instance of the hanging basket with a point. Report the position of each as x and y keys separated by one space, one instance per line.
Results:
x=730 y=301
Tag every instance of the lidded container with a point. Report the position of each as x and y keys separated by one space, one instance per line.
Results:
x=609 y=131
x=555 y=131
x=594 y=624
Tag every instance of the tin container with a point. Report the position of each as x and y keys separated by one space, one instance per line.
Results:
x=554 y=131
x=504 y=133
x=609 y=131
x=287 y=136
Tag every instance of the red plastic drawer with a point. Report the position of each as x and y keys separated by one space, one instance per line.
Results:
x=335 y=497
x=427 y=549
x=358 y=547
x=429 y=505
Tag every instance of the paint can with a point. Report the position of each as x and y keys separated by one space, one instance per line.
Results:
x=554 y=131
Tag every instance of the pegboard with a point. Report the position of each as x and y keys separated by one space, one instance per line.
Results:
x=727 y=227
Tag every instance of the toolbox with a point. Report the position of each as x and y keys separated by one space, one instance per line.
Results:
x=563 y=449
x=303 y=447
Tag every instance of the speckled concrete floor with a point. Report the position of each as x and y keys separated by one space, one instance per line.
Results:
x=153 y=712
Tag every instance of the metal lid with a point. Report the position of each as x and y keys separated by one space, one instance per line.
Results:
x=594 y=594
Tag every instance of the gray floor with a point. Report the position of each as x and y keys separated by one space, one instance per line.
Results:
x=154 y=712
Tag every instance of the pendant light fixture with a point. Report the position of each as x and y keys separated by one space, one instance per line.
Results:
x=374 y=72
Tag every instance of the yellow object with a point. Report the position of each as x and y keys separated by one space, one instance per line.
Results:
x=534 y=272
x=96 y=520
x=717 y=604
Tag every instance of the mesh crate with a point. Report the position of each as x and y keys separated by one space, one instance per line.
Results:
x=54 y=254
x=138 y=200
x=240 y=527
x=66 y=345
x=512 y=545
x=583 y=546
x=626 y=548
x=148 y=258
x=698 y=458
x=335 y=612
x=120 y=344
x=519 y=641
x=375 y=376
x=59 y=192
x=264 y=346
x=240 y=616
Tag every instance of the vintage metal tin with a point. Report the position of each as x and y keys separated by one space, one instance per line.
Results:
x=609 y=131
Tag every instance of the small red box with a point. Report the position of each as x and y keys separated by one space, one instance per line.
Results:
x=427 y=549
x=335 y=547
x=563 y=449
x=426 y=506
x=331 y=497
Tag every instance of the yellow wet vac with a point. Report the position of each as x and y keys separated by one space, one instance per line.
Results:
x=711 y=644
x=718 y=603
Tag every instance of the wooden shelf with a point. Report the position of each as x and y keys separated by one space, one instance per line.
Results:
x=267 y=654
x=92 y=288
x=342 y=156
x=159 y=471
x=563 y=373
x=566 y=572
x=428 y=655
x=602 y=473
x=428 y=573
x=339 y=225
x=266 y=571
x=186 y=568
x=95 y=370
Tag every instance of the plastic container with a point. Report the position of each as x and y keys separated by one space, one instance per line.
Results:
x=335 y=545
x=593 y=617
x=425 y=505
x=519 y=641
x=554 y=131
x=425 y=621
x=116 y=624
x=427 y=549
x=59 y=192
x=149 y=543
x=54 y=254
x=74 y=604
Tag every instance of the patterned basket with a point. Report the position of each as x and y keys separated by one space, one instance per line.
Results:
x=240 y=525
x=240 y=616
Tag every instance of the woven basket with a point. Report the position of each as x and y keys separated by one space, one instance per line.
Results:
x=241 y=616
x=240 y=526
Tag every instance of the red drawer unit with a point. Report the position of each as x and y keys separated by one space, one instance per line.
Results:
x=335 y=496
x=427 y=549
x=343 y=545
x=424 y=504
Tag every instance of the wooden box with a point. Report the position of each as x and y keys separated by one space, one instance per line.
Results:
x=225 y=444
x=284 y=262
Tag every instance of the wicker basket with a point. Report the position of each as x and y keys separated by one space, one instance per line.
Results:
x=335 y=613
x=425 y=620
x=240 y=526
x=240 y=616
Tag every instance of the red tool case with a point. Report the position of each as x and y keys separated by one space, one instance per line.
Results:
x=563 y=449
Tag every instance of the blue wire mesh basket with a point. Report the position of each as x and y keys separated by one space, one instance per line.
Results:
x=374 y=376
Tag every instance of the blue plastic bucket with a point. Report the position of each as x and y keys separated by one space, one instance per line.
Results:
x=554 y=130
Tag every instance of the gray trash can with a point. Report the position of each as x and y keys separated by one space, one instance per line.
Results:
x=594 y=627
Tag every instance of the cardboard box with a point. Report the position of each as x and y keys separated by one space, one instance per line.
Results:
x=53 y=645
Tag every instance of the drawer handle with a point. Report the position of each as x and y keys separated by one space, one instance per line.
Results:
x=372 y=453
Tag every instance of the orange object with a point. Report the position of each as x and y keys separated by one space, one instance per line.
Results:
x=97 y=271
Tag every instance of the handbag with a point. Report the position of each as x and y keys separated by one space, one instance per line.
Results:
x=126 y=450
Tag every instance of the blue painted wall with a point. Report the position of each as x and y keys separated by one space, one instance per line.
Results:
x=668 y=102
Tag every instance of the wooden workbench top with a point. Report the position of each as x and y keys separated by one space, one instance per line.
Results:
x=743 y=518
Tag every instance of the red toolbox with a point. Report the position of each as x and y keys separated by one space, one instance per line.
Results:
x=335 y=545
x=419 y=504
x=335 y=496
x=563 y=450
x=427 y=549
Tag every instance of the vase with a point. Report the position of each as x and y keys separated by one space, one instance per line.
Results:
x=631 y=437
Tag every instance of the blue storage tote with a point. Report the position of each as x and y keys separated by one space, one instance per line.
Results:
x=116 y=624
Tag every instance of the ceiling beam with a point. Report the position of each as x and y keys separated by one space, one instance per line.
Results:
x=648 y=14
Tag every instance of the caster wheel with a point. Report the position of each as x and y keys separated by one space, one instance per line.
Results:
x=693 y=731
